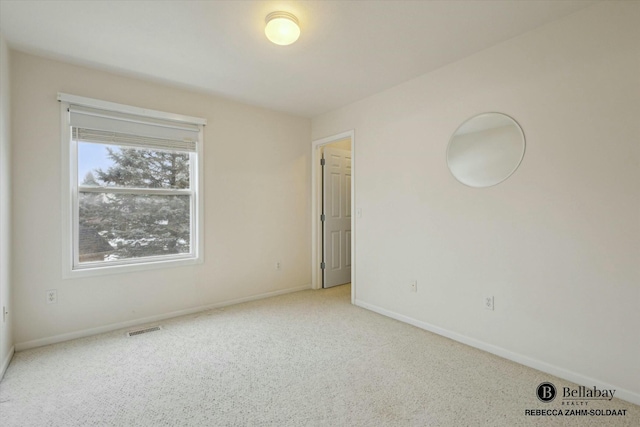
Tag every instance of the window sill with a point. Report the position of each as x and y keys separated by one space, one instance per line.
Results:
x=69 y=273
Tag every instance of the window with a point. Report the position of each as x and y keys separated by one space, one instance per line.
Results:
x=133 y=176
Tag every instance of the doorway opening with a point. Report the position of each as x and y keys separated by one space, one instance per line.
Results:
x=333 y=207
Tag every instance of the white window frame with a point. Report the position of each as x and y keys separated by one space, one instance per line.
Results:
x=70 y=187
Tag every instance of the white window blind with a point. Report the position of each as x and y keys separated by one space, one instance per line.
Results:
x=110 y=127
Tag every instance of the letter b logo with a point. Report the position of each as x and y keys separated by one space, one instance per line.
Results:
x=546 y=392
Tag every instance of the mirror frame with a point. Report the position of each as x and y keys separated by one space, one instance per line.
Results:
x=517 y=165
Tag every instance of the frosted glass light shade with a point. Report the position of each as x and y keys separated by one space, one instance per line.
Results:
x=282 y=28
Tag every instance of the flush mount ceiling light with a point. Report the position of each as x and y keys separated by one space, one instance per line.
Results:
x=282 y=28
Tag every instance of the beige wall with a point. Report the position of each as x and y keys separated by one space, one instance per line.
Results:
x=557 y=244
x=256 y=195
x=6 y=333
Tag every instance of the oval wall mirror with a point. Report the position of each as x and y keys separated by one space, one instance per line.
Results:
x=485 y=150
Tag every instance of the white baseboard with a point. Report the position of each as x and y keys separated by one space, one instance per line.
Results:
x=557 y=371
x=6 y=361
x=136 y=322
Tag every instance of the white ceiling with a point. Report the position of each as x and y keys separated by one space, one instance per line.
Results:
x=348 y=50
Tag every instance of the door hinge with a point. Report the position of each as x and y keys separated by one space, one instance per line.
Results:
x=322 y=162
x=322 y=217
x=322 y=265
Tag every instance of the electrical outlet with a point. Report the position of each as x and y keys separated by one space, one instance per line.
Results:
x=413 y=286
x=5 y=313
x=488 y=302
x=278 y=265
x=52 y=296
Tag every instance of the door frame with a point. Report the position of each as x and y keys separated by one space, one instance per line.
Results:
x=316 y=206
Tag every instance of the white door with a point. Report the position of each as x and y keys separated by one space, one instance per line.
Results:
x=336 y=210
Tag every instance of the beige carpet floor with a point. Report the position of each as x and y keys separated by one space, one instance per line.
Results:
x=303 y=359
